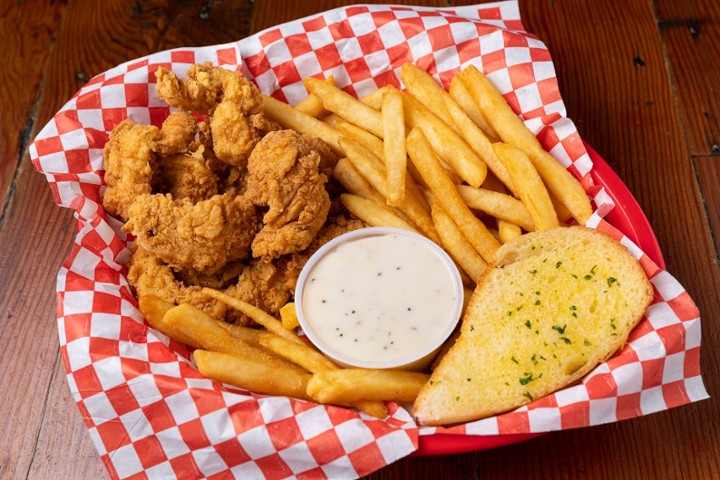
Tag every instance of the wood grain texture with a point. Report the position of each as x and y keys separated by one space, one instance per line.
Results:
x=26 y=34
x=639 y=84
x=691 y=36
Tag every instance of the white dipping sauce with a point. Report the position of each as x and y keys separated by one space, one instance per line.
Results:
x=381 y=298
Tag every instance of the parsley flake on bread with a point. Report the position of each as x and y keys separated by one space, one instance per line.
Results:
x=551 y=306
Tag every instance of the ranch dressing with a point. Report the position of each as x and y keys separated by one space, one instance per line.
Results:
x=381 y=298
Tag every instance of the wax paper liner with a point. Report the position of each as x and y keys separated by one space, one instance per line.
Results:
x=148 y=411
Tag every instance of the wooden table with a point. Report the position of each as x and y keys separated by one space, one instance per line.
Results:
x=639 y=78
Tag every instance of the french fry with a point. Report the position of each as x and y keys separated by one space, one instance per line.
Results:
x=449 y=146
x=347 y=106
x=508 y=231
x=374 y=98
x=376 y=146
x=314 y=361
x=499 y=205
x=354 y=182
x=251 y=336
x=356 y=384
x=154 y=310
x=462 y=96
x=374 y=213
x=363 y=137
x=288 y=316
x=447 y=195
x=259 y=316
x=423 y=87
x=457 y=245
x=189 y=324
x=288 y=117
x=253 y=374
x=530 y=186
x=395 y=154
x=375 y=174
x=312 y=105
x=512 y=130
x=300 y=354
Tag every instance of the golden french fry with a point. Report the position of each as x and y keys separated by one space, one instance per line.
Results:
x=300 y=354
x=374 y=213
x=447 y=195
x=288 y=117
x=374 y=98
x=376 y=146
x=394 y=146
x=251 y=336
x=189 y=324
x=499 y=205
x=374 y=172
x=271 y=323
x=530 y=186
x=449 y=146
x=154 y=310
x=363 y=137
x=288 y=316
x=356 y=384
x=312 y=105
x=462 y=96
x=457 y=245
x=252 y=374
x=423 y=87
x=508 y=231
x=347 y=106
x=512 y=130
x=314 y=361
x=354 y=182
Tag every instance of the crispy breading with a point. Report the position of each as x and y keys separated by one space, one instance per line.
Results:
x=284 y=175
x=233 y=103
x=128 y=163
x=202 y=236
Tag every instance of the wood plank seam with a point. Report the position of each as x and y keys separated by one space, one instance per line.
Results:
x=708 y=223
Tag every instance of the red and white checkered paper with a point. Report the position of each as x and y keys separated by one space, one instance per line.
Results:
x=152 y=415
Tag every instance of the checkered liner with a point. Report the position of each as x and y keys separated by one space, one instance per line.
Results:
x=152 y=415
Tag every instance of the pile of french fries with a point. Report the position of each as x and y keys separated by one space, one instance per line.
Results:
x=457 y=166
x=274 y=360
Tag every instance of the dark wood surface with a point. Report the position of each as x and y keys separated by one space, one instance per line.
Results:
x=639 y=78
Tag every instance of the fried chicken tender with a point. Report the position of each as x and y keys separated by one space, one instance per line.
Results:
x=185 y=175
x=202 y=236
x=270 y=283
x=233 y=103
x=177 y=135
x=284 y=175
x=128 y=161
x=148 y=274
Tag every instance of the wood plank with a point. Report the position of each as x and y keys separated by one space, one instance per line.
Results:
x=26 y=33
x=29 y=339
x=691 y=35
x=707 y=170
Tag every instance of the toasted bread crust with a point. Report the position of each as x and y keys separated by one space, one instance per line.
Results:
x=549 y=308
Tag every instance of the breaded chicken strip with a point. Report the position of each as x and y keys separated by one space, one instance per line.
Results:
x=148 y=274
x=185 y=175
x=128 y=163
x=202 y=236
x=233 y=103
x=270 y=283
x=177 y=135
x=284 y=175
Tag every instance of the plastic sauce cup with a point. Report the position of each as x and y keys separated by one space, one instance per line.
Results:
x=379 y=298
